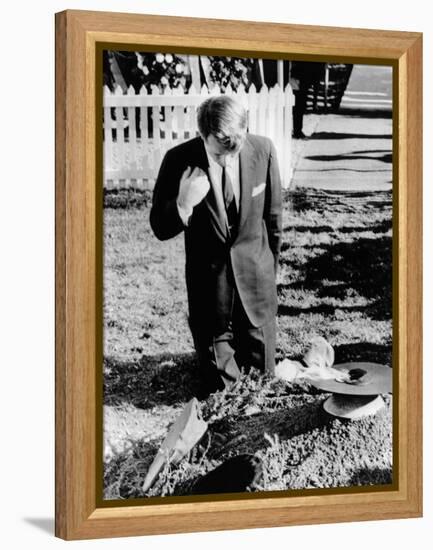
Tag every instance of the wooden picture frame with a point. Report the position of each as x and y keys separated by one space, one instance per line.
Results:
x=79 y=513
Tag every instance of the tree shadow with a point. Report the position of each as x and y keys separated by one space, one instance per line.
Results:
x=164 y=379
x=340 y=135
x=365 y=352
x=387 y=157
x=364 y=151
x=365 y=113
x=340 y=169
x=380 y=204
x=381 y=227
x=301 y=200
x=308 y=229
x=333 y=268
x=364 y=265
x=323 y=309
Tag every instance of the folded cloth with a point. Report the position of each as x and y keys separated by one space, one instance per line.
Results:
x=315 y=365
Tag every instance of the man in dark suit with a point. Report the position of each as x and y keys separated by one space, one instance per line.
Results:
x=223 y=190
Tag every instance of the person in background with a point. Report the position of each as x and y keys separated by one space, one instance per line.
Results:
x=307 y=74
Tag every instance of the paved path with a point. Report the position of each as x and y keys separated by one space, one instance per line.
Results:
x=347 y=153
x=369 y=87
x=351 y=150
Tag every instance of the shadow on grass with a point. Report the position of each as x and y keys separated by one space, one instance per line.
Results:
x=164 y=379
x=382 y=227
x=365 y=113
x=364 y=351
x=365 y=267
x=307 y=229
x=324 y=309
x=319 y=200
x=386 y=157
x=339 y=135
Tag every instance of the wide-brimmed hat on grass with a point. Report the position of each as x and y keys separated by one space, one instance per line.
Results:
x=360 y=379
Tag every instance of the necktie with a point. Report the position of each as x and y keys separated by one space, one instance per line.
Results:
x=229 y=200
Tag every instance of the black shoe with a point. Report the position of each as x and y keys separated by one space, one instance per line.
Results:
x=236 y=475
x=207 y=387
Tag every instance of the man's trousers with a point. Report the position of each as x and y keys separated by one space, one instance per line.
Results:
x=239 y=346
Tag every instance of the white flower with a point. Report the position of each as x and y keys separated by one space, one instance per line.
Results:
x=145 y=70
x=179 y=68
x=159 y=57
x=164 y=80
x=168 y=57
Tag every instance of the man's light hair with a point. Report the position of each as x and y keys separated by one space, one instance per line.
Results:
x=224 y=118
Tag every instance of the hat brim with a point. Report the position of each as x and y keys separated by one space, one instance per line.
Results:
x=379 y=380
x=353 y=407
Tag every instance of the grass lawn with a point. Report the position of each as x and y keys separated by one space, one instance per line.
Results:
x=334 y=280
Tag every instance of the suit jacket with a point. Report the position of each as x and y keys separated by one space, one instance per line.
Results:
x=215 y=260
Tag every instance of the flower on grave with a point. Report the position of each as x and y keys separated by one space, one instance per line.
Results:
x=159 y=58
x=169 y=58
x=164 y=80
x=179 y=68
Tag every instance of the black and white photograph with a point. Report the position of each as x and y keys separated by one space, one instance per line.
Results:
x=247 y=275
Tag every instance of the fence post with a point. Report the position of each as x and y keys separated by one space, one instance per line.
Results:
x=108 y=134
x=252 y=109
x=280 y=69
x=288 y=127
x=132 y=132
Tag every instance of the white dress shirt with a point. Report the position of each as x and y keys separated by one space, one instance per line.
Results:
x=215 y=175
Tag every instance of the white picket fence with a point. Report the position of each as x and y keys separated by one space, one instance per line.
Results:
x=140 y=128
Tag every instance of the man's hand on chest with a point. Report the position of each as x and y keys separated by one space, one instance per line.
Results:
x=194 y=186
